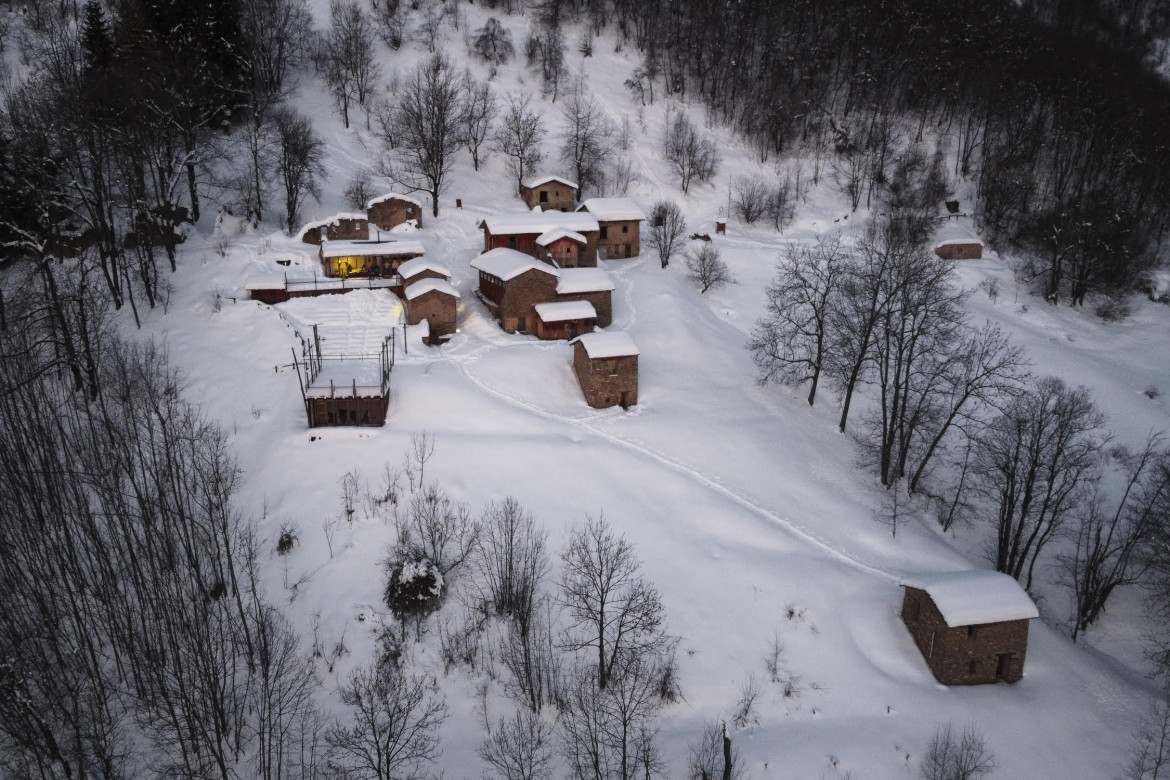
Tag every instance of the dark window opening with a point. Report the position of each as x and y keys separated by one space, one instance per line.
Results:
x=604 y=231
x=973 y=667
x=544 y=196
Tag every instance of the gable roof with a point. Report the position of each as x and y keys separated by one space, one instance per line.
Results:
x=536 y=181
x=613 y=209
x=608 y=344
x=334 y=220
x=505 y=263
x=549 y=236
x=565 y=310
x=419 y=264
x=968 y=598
x=423 y=286
x=540 y=221
x=393 y=195
x=370 y=248
x=583 y=280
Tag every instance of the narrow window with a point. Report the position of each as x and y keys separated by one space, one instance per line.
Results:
x=611 y=364
x=544 y=196
x=973 y=667
x=971 y=632
x=625 y=228
x=604 y=231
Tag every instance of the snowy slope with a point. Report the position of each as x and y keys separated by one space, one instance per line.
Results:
x=745 y=504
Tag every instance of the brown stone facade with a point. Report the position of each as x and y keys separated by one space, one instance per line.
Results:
x=426 y=273
x=392 y=212
x=972 y=250
x=564 y=252
x=513 y=301
x=340 y=229
x=620 y=238
x=606 y=381
x=602 y=303
x=438 y=308
x=526 y=243
x=552 y=195
x=965 y=655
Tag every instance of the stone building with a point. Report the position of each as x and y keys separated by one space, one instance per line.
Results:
x=436 y=301
x=367 y=258
x=606 y=365
x=392 y=209
x=959 y=249
x=521 y=231
x=550 y=193
x=619 y=223
x=511 y=283
x=970 y=626
x=588 y=284
x=339 y=227
x=564 y=320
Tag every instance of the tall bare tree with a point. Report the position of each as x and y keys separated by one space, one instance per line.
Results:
x=667 y=230
x=519 y=136
x=587 y=140
x=299 y=161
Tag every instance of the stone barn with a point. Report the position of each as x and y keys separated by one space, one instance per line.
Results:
x=521 y=231
x=970 y=626
x=565 y=320
x=418 y=269
x=436 y=301
x=606 y=365
x=588 y=284
x=619 y=223
x=511 y=283
x=959 y=249
x=391 y=210
x=550 y=193
x=367 y=258
x=339 y=227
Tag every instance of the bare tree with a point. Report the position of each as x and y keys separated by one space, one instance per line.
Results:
x=546 y=46
x=278 y=34
x=519 y=135
x=1150 y=752
x=613 y=609
x=348 y=56
x=493 y=43
x=528 y=651
x=511 y=560
x=1110 y=544
x=667 y=230
x=587 y=141
x=299 y=156
x=395 y=717
x=424 y=129
x=789 y=343
x=389 y=22
x=706 y=269
x=691 y=156
x=952 y=756
x=1036 y=463
x=713 y=756
x=751 y=197
x=480 y=109
x=520 y=747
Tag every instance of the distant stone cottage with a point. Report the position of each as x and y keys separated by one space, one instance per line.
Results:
x=959 y=249
x=606 y=365
x=392 y=209
x=535 y=233
x=619 y=223
x=971 y=626
x=550 y=193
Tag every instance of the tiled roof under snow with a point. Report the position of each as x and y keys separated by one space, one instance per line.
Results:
x=968 y=598
x=566 y=310
x=423 y=286
x=419 y=264
x=372 y=201
x=504 y=263
x=549 y=236
x=613 y=209
x=536 y=181
x=583 y=280
x=370 y=248
x=607 y=344
x=541 y=221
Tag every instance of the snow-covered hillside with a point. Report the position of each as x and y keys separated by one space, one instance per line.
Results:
x=745 y=504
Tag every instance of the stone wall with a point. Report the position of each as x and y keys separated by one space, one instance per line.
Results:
x=606 y=381
x=602 y=303
x=622 y=238
x=392 y=212
x=965 y=655
x=521 y=294
x=438 y=308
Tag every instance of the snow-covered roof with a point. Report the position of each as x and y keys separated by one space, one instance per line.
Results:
x=370 y=248
x=613 y=209
x=549 y=236
x=505 y=263
x=373 y=201
x=541 y=221
x=423 y=286
x=978 y=596
x=335 y=219
x=536 y=181
x=607 y=344
x=963 y=241
x=419 y=264
x=565 y=310
x=583 y=280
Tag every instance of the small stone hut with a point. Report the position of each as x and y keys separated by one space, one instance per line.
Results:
x=561 y=247
x=511 y=283
x=564 y=320
x=521 y=231
x=434 y=300
x=550 y=193
x=959 y=249
x=367 y=258
x=588 y=284
x=392 y=209
x=606 y=365
x=339 y=227
x=970 y=626
x=422 y=268
x=619 y=223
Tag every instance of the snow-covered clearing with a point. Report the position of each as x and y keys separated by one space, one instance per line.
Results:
x=742 y=501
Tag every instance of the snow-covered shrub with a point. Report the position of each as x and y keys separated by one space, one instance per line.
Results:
x=414 y=588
